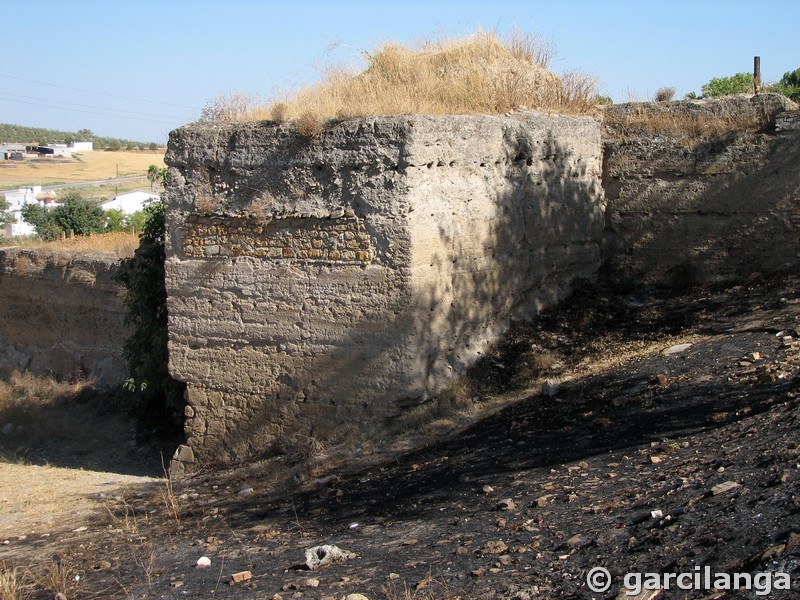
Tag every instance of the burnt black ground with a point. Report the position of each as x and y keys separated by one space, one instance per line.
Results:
x=586 y=465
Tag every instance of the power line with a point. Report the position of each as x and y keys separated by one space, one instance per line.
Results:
x=66 y=87
x=121 y=110
x=88 y=112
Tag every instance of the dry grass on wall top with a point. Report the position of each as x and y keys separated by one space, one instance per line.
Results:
x=480 y=74
x=117 y=244
x=690 y=122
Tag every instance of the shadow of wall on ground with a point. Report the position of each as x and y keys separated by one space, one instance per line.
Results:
x=592 y=416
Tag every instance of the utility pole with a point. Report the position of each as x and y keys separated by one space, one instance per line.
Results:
x=757 y=74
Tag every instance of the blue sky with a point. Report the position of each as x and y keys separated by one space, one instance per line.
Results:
x=138 y=68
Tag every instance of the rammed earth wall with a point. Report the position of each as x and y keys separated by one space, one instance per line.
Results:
x=692 y=208
x=323 y=285
x=61 y=315
x=317 y=284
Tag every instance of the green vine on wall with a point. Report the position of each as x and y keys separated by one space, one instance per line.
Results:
x=157 y=397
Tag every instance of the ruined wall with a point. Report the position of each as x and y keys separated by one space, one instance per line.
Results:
x=319 y=284
x=61 y=315
x=694 y=198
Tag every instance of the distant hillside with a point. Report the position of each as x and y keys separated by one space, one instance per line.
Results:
x=18 y=134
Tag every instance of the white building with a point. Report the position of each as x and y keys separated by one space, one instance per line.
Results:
x=81 y=146
x=131 y=202
x=16 y=200
x=6 y=150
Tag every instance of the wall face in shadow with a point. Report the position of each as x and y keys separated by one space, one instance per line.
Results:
x=318 y=285
x=61 y=316
x=713 y=210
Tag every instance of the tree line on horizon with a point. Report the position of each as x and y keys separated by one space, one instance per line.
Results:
x=18 y=134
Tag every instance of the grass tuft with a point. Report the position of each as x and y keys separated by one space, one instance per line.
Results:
x=12 y=586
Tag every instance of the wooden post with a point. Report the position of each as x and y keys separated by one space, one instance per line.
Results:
x=757 y=74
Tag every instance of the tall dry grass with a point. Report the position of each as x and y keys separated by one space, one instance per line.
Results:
x=682 y=121
x=480 y=74
x=118 y=244
x=12 y=586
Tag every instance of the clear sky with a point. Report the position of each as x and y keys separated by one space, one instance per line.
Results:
x=137 y=69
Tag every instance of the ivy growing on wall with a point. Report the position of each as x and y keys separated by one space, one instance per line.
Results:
x=157 y=397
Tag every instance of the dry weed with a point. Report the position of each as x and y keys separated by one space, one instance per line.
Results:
x=429 y=588
x=279 y=111
x=168 y=495
x=58 y=577
x=310 y=124
x=441 y=412
x=26 y=265
x=82 y=275
x=205 y=204
x=664 y=94
x=480 y=74
x=12 y=586
x=117 y=244
x=233 y=106
x=680 y=120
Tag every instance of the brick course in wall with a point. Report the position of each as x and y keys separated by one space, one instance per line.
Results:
x=341 y=239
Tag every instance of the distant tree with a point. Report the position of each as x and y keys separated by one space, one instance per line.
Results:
x=153 y=175
x=129 y=146
x=789 y=85
x=85 y=135
x=152 y=146
x=79 y=215
x=5 y=217
x=42 y=220
x=692 y=96
x=114 y=145
x=741 y=83
x=116 y=220
x=137 y=221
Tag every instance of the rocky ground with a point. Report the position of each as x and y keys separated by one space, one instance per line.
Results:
x=637 y=433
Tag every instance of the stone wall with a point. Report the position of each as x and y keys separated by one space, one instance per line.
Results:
x=61 y=316
x=316 y=285
x=701 y=192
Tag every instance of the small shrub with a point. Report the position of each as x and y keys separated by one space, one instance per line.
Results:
x=233 y=106
x=789 y=85
x=279 y=111
x=310 y=124
x=664 y=94
x=741 y=83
